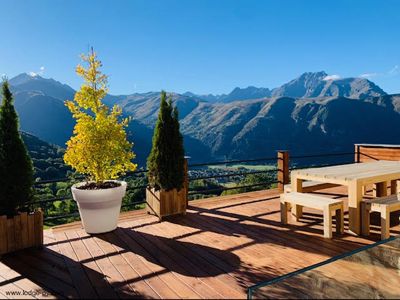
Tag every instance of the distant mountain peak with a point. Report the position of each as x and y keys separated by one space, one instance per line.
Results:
x=318 y=74
x=23 y=78
x=247 y=93
x=320 y=84
x=34 y=75
x=47 y=86
x=307 y=76
x=250 y=92
x=331 y=77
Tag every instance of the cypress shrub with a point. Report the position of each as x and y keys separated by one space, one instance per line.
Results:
x=165 y=163
x=16 y=170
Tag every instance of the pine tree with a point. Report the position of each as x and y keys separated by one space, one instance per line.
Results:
x=165 y=163
x=16 y=170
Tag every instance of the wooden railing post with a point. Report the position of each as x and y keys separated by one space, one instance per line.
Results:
x=186 y=180
x=357 y=153
x=283 y=169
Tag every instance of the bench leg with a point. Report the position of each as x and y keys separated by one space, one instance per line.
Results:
x=297 y=211
x=327 y=223
x=365 y=219
x=284 y=213
x=297 y=186
x=340 y=220
x=385 y=224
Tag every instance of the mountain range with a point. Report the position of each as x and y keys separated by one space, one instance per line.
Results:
x=307 y=85
x=311 y=113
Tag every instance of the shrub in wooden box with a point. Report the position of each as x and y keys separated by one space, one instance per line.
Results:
x=24 y=230
x=18 y=229
x=166 y=203
x=167 y=167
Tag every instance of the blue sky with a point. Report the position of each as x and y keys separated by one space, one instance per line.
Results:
x=203 y=46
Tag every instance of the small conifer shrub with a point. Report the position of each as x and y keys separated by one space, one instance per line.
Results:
x=16 y=170
x=166 y=160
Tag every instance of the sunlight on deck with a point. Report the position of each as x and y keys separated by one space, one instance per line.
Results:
x=222 y=246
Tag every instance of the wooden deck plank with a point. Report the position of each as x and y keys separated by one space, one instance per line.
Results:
x=217 y=250
x=45 y=264
x=160 y=287
x=264 y=239
x=220 y=281
x=93 y=272
x=130 y=276
x=13 y=285
x=265 y=259
x=156 y=249
x=108 y=269
x=79 y=277
x=174 y=282
x=204 y=257
x=224 y=263
x=44 y=280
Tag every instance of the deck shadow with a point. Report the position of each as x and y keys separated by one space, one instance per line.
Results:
x=62 y=277
x=259 y=229
x=182 y=257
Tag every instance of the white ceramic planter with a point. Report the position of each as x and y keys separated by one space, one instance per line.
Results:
x=99 y=209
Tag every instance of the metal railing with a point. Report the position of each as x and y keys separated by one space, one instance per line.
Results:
x=349 y=155
x=43 y=203
x=227 y=174
x=217 y=187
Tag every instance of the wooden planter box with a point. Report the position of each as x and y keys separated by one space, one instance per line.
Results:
x=21 y=231
x=166 y=203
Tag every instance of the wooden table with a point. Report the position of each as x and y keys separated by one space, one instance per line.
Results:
x=354 y=176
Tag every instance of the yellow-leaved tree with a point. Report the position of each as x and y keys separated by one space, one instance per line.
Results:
x=99 y=147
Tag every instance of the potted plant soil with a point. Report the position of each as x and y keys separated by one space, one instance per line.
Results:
x=167 y=192
x=19 y=226
x=98 y=149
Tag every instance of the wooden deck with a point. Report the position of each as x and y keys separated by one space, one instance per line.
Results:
x=217 y=250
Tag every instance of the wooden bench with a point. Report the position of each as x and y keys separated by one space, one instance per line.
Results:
x=310 y=186
x=383 y=205
x=327 y=205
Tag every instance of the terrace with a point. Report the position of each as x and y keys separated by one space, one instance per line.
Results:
x=222 y=246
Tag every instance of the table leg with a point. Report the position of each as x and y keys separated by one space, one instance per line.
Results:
x=355 y=197
x=284 y=211
x=385 y=224
x=297 y=186
x=340 y=220
x=365 y=219
x=327 y=223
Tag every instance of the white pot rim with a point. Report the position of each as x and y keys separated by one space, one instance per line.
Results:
x=76 y=185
